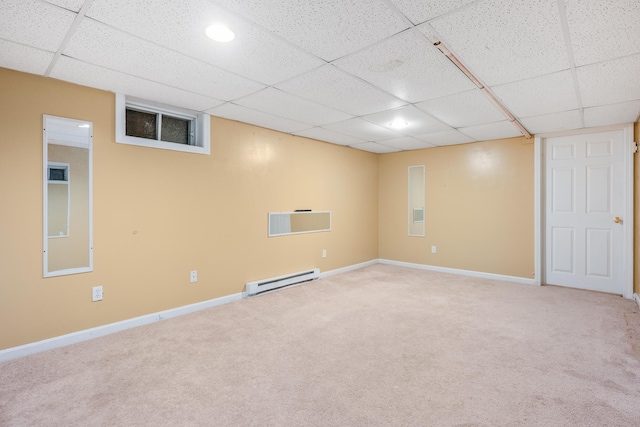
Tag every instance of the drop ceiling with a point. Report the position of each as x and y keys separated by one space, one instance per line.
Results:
x=342 y=71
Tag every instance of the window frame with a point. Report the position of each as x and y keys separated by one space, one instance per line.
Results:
x=202 y=125
x=58 y=166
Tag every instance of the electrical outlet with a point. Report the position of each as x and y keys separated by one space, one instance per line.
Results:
x=96 y=293
x=433 y=249
x=324 y=253
x=193 y=278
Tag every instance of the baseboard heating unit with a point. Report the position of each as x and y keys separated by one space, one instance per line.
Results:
x=266 y=285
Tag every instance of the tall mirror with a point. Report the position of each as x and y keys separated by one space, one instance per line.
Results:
x=67 y=196
x=416 y=201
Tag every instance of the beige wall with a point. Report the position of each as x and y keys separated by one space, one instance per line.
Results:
x=159 y=214
x=479 y=207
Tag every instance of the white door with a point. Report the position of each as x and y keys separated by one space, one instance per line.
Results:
x=584 y=204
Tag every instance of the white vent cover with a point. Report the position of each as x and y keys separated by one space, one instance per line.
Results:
x=261 y=286
x=418 y=214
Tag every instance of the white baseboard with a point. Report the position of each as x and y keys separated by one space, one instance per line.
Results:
x=99 y=331
x=480 y=274
x=348 y=268
x=637 y=298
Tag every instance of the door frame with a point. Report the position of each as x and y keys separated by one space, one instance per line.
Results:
x=628 y=182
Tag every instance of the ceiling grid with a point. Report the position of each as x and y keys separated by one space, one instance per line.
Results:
x=363 y=73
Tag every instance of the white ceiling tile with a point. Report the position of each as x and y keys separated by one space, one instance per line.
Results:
x=73 y=5
x=258 y=118
x=375 y=148
x=406 y=143
x=93 y=76
x=418 y=123
x=332 y=87
x=33 y=23
x=565 y=120
x=329 y=136
x=610 y=82
x=329 y=28
x=283 y=104
x=22 y=58
x=273 y=77
x=540 y=95
x=99 y=44
x=254 y=53
x=604 y=29
x=626 y=112
x=421 y=11
x=502 y=41
x=451 y=137
x=464 y=109
x=430 y=33
x=362 y=129
x=408 y=66
x=504 y=129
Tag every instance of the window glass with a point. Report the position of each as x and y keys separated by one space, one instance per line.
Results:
x=154 y=125
x=175 y=130
x=141 y=124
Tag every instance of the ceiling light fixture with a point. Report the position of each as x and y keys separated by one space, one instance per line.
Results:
x=482 y=88
x=84 y=125
x=219 y=32
x=399 y=123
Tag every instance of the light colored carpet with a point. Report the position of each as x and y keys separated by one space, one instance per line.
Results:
x=380 y=346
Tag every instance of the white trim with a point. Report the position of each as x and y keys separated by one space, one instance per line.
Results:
x=537 y=203
x=637 y=299
x=630 y=149
x=349 y=268
x=320 y=276
x=627 y=257
x=99 y=331
x=68 y=271
x=480 y=274
x=203 y=126
x=582 y=131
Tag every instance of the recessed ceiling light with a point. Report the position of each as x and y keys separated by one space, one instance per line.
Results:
x=219 y=32
x=399 y=123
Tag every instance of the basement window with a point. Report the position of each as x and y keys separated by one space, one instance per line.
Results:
x=149 y=124
x=57 y=172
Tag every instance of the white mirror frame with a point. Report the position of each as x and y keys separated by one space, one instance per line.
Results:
x=72 y=133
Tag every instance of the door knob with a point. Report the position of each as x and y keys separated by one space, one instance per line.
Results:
x=617 y=220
